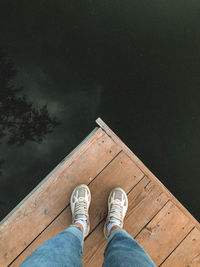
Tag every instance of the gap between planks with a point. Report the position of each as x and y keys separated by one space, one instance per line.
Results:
x=57 y=218
x=44 y=205
x=144 y=169
x=187 y=253
x=144 y=194
x=118 y=168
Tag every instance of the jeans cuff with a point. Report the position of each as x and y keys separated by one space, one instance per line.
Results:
x=75 y=230
x=118 y=231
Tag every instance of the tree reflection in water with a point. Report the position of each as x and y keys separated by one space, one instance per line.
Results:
x=20 y=119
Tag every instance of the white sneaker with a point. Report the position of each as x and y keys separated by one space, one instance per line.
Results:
x=117 y=208
x=80 y=202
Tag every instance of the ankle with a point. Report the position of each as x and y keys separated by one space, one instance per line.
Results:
x=114 y=228
x=80 y=226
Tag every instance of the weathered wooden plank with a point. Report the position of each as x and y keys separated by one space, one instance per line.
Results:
x=57 y=226
x=53 y=195
x=187 y=254
x=144 y=194
x=144 y=202
x=163 y=234
x=145 y=170
x=121 y=172
x=147 y=204
x=95 y=244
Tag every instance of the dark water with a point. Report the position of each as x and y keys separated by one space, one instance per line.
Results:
x=136 y=64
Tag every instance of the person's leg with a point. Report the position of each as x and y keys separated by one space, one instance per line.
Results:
x=122 y=249
x=66 y=248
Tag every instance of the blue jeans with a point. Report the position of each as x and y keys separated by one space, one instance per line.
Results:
x=65 y=250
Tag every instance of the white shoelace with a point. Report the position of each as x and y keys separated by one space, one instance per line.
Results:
x=116 y=212
x=81 y=208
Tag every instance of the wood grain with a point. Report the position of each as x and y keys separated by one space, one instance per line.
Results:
x=187 y=254
x=57 y=226
x=145 y=201
x=17 y=232
x=164 y=233
x=95 y=244
x=145 y=170
x=155 y=218
x=121 y=172
x=144 y=194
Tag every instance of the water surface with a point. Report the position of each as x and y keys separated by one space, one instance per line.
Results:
x=136 y=64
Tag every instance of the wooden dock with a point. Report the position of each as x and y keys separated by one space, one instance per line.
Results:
x=155 y=218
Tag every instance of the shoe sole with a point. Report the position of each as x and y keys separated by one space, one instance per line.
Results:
x=88 y=220
x=105 y=225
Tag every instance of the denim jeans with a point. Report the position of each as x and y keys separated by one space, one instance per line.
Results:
x=65 y=250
